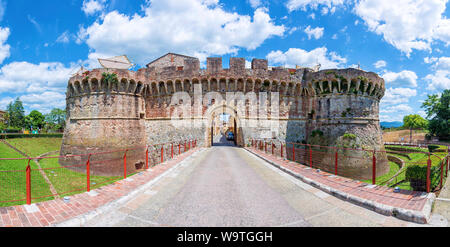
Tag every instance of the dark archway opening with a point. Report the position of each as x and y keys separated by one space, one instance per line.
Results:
x=223 y=130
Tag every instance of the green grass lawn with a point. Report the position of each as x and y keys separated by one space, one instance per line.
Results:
x=394 y=168
x=13 y=180
x=415 y=158
x=69 y=182
x=65 y=181
x=36 y=146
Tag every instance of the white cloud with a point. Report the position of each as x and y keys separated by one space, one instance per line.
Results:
x=28 y=77
x=407 y=24
x=317 y=32
x=255 y=3
x=44 y=102
x=4 y=48
x=64 y=37
x=380 y=64
x=4 y=102
x=440 y=80
x=296 y=56
x=442 y=31
x=397 y=95
x=405 y=78
x=303 y=4
x=442 y=63
x=422 y=114
x=2 y=9
x=395 y=112
x=35 y=23
x=430 y=59
x=40 y=86
x=312 y=16
x=292 y=30
x=191 y=27
x=91 y=7
x=397 y=109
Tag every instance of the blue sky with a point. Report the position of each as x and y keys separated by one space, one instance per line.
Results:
x=406 y=41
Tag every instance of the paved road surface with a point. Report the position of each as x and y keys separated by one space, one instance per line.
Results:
x=228 y=186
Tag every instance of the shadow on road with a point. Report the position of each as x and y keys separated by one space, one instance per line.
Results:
x=221 y=140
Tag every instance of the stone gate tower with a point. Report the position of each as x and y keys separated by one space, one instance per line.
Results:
x=335 y=107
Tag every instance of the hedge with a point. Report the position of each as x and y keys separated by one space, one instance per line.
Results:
x=432 y=148
x=417 y=176
x=11 y=136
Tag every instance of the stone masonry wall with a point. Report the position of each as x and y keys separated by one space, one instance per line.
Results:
x=138 y=107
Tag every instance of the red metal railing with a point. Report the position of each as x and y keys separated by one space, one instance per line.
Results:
x=50 y=177
x=330 y=159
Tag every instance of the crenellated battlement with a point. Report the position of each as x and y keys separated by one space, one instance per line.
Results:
x=163 y=81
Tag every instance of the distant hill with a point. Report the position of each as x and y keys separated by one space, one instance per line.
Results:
x=391 y=124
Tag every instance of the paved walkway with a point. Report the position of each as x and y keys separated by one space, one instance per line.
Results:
x=228 y=186
x=218 y=186
x=409 y=205
x=53 y=212
x=442 y=204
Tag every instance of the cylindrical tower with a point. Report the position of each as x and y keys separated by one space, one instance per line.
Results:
x=105 y=111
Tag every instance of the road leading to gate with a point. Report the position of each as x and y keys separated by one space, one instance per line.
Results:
x=228 y=186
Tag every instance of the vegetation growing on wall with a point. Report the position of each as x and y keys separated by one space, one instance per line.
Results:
x=110 y=78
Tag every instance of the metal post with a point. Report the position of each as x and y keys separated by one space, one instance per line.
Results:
x=88 y=173
x=336 y=163
x=185 y=146
x=162 y=153
x=281 y=144
x=28 y=178
x=265 y=146
x=428 y=173
x=125 y=164
x=172 y=150
x=442 y=173
x=310 y=156
x=146 y=158
x=374 y=168
x=179 y=148
x=272 y=148
x=293 y=152
x=448 y=163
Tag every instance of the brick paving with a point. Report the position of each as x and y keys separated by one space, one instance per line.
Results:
x=410 y=200
x=56 y=211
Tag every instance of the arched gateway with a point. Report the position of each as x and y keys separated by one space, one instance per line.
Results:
x=173 y=99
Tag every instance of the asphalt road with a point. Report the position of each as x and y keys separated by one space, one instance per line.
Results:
x=227 y=186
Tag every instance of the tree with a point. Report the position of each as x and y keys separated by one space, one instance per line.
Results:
x=438 y=112
x=34 y=120
x=414 y=121
x=56 y=119
x=16 y=114
x=2 y=126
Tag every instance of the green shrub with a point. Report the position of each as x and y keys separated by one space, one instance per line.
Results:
x=11 y=135
x=417 y=176
x=432 y=148
x=316 y=133
x=349 y=136
x=13 y=130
